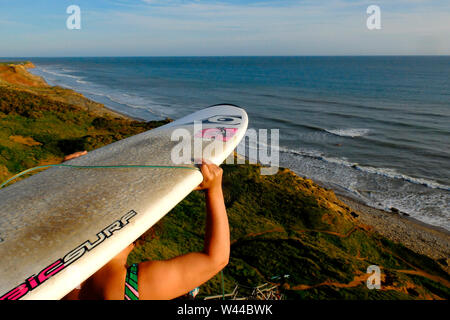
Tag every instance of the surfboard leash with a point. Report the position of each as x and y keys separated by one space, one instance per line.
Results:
x=94 y=167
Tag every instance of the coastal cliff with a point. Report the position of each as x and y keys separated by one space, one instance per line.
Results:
x=17 y=74
x=285 y=230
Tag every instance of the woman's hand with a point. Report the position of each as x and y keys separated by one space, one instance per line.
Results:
x=212 y=176
x=74 y=155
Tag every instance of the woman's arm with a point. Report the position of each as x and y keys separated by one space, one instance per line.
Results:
x=172 y=278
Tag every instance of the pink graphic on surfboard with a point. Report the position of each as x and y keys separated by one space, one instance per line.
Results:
x=222 y=134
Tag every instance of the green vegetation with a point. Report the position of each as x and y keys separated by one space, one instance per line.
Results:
x=280 y=224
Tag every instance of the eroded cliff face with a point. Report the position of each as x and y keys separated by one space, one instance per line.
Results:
x=17 y=74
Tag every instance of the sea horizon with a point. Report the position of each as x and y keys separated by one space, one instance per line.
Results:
x=227 y=56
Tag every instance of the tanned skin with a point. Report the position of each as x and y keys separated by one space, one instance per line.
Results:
x=169 y=279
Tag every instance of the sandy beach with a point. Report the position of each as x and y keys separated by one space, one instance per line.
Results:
x=422 y=238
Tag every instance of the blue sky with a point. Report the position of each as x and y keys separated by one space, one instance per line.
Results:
x=227 y=27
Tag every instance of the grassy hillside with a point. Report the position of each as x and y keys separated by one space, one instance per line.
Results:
x=280 y=224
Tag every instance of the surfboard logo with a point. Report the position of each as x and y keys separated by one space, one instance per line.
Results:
x=221 y=134
x=54 y=268
x=223 y=120
x=229 y=120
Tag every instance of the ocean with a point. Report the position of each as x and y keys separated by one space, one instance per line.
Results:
x=373 y=128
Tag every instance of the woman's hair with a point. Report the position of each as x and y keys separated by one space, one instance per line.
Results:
x=149 y=235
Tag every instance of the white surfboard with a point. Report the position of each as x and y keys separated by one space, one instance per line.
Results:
x=60 y=226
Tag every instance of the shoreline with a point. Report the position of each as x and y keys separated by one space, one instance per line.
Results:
x=416 y=235
x=423 y=238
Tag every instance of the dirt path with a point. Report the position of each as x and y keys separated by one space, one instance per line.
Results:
x=329 y=232
x=257 y=234
x=358 y=279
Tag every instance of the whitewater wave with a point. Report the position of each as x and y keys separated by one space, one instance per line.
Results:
x=58 y=74
x=151 y=107
x=350 y=132
x=386 y=172
x=342 y=132
x=392 y=173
